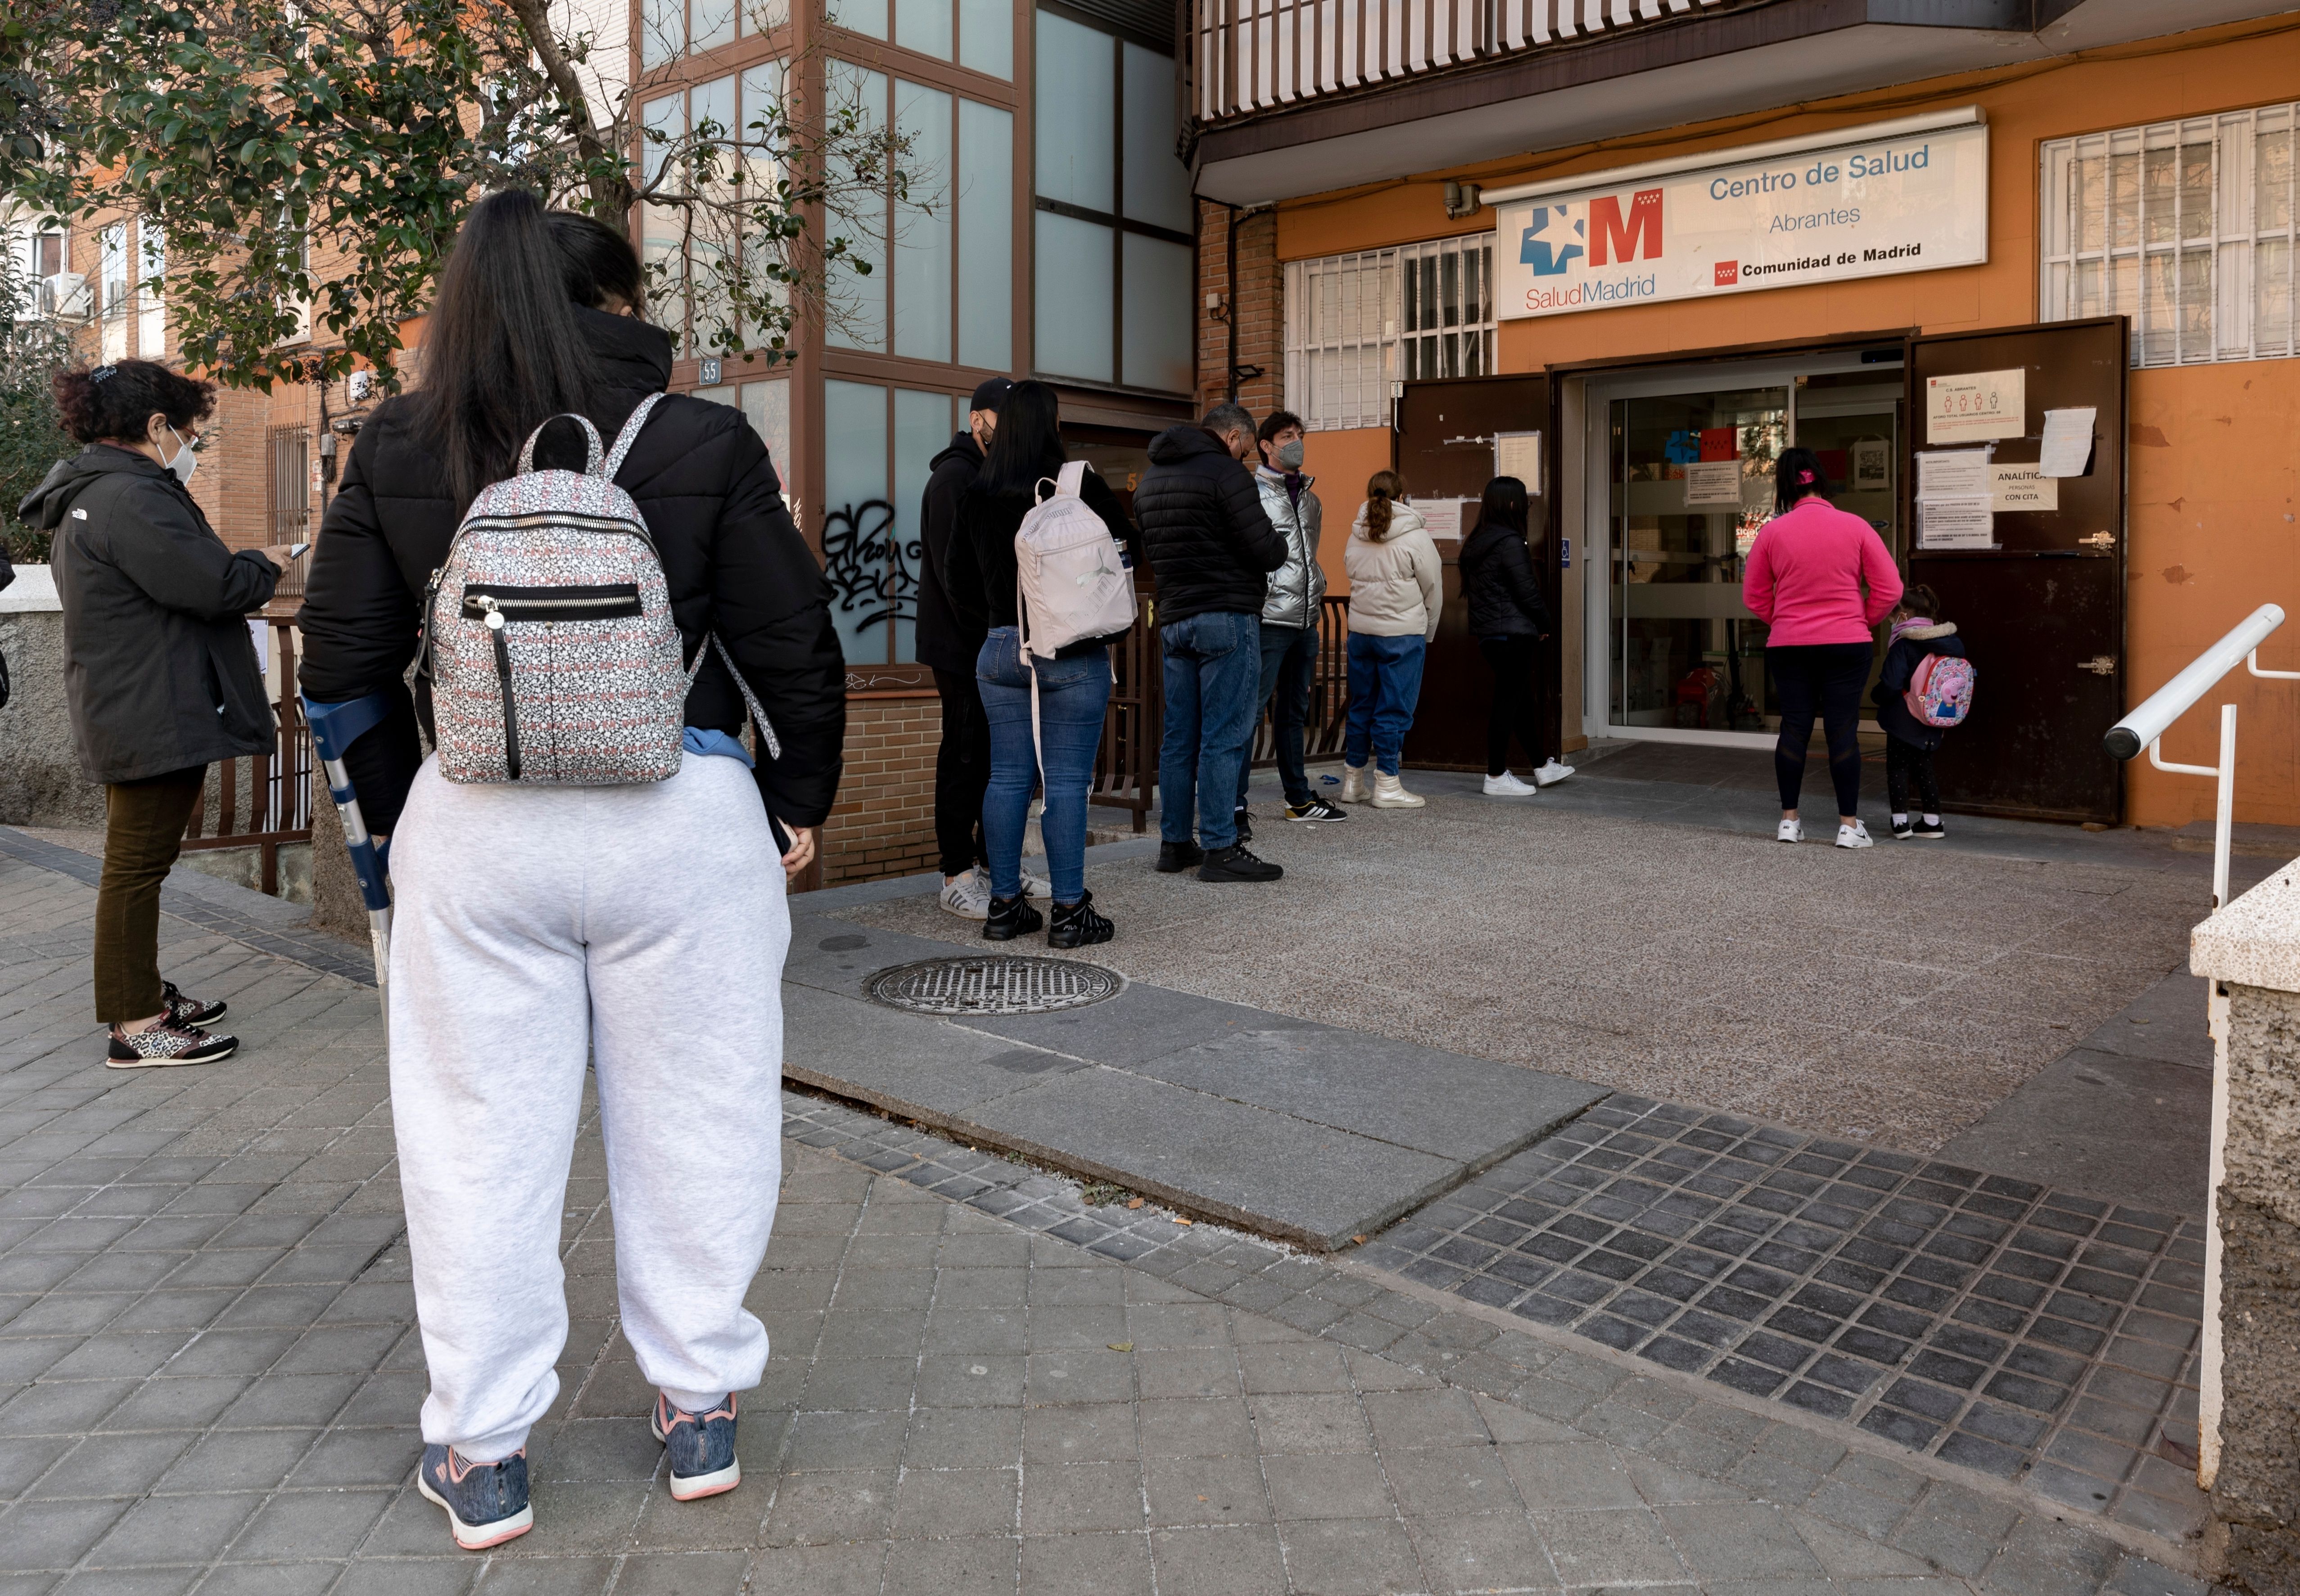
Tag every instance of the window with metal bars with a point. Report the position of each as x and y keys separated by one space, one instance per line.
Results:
x=1357 y=323
x=288 y=502
x=2185 y=227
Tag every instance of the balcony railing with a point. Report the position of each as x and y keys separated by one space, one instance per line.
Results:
x=1251 y=56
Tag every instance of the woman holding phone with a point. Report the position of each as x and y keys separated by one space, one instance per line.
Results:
x=159 y=671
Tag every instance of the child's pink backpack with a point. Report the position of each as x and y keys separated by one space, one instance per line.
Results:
x=1940 y=690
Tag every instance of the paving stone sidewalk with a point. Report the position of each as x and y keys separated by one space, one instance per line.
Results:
x=209 y=1375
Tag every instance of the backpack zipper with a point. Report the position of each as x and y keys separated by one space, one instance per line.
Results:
x=495 y=624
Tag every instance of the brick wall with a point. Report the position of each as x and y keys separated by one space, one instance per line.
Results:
x=1259 y=308
x=883 y=822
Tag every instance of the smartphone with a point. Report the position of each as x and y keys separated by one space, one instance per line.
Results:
x=782 y=837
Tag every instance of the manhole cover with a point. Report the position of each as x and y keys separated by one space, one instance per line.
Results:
x=993 y=984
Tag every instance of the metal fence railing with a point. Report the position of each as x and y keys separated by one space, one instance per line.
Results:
x=1329 y=692
x=264 y=800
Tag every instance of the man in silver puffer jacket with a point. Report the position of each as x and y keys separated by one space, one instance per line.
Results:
x=1289 y=616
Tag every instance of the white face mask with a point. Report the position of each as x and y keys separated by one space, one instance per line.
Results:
x=186 y=463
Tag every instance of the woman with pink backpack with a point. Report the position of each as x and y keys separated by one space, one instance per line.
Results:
x=1923 y=690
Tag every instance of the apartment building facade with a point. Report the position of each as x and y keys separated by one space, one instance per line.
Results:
x=1628 y=250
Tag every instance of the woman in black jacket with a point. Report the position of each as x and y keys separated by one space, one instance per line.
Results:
x=1073 y=688
x=1510 y=622
x=160 y=670
x=643 y=925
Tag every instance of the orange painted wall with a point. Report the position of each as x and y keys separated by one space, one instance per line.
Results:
x=1341 y=461
x=2210 y=506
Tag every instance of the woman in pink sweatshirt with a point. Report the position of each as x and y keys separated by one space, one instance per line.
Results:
x=1820 y=580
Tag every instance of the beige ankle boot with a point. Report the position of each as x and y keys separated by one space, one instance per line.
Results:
x=1354 y=784
x=1390 y=793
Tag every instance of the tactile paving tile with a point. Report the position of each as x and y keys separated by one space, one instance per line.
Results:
x=2034 y=1333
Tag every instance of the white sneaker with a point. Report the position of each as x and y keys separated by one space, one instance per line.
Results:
x=1354 y=784
x=1033 y=887
x=1791 y=831
x=1551 y=774
x=1855 y=835
x=1390 y=793
x=1507 y=785
x=967 y=896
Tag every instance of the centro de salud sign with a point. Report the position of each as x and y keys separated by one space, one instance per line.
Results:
x=1855 y=209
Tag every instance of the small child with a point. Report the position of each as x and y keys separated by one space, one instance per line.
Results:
x=1909 y=742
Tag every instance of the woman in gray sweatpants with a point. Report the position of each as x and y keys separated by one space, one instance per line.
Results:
x=639 y=930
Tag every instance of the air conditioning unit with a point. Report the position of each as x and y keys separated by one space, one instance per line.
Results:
x=64 y=296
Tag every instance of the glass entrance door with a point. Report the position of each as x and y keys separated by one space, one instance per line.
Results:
x=1688 y=470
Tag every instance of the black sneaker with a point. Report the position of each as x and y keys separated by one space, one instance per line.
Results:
x=1903 y=831
x=188 y=1011
x=167 y=1043
x=1244 y=818
x=1315 y=809
x=1077 y=925
x=1174 y=858
x=1928 y=829
x=1236 y=864
x=1011 y=918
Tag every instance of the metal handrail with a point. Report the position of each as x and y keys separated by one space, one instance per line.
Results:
x=2147 y=725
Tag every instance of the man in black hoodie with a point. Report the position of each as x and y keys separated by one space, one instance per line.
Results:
x=950 y=631
x=1211 y=548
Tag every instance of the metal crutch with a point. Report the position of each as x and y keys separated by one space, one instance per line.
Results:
x=335 y=728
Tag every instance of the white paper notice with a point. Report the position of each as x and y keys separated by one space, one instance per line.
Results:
x=2068 y=442
x=1976 y=406
x=1713 y=482
x=1953 y=474
x=2021 y=487
x=1958 y=523
x=259 y=633
x=1519 y=454
x=1441 y=518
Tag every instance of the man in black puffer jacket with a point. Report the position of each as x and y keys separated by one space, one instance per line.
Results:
x=735 y=563
x=1211 y=547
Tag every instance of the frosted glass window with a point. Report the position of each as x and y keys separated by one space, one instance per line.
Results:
x=662 y=31
x=766 y=406
x=1076 y=141
x=859 y=298
x=1075 y=260
x=985 y=37
x=715 y=24
x=1157 y=184
x=857 y=519
x=111 y=279
x=666 y=117
x=984 y=177
x=922 y=247
x=924 y=26
x=923 y=425
x=764 y=16
x=1158 y=327
x=863 y=16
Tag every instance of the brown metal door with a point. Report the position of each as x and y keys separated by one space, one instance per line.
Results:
x=1444 y=448
x=2042 y=615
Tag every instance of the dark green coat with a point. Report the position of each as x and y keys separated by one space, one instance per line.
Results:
x=160 y=670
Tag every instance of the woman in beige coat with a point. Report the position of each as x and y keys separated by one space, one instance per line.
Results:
x=1396 y=590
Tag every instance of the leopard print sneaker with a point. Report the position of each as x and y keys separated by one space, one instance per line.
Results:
x=189 y=1011
x=167 y=1042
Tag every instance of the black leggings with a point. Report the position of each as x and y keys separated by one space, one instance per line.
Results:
x=1514 y=709
x=1827 y=677
x=1905 y=762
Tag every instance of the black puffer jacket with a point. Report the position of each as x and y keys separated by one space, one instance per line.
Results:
x=1204 y=536
x=1499 y=586
x=735 y=562
x=948 y=635
x=159 y=668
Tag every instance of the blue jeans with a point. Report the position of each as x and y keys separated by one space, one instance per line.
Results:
x=1289 y=656
x=1214 y=665
x=1385 y=685
x=1071 y=696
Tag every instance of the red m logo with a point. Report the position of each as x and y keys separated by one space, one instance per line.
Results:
x=1637 y=238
